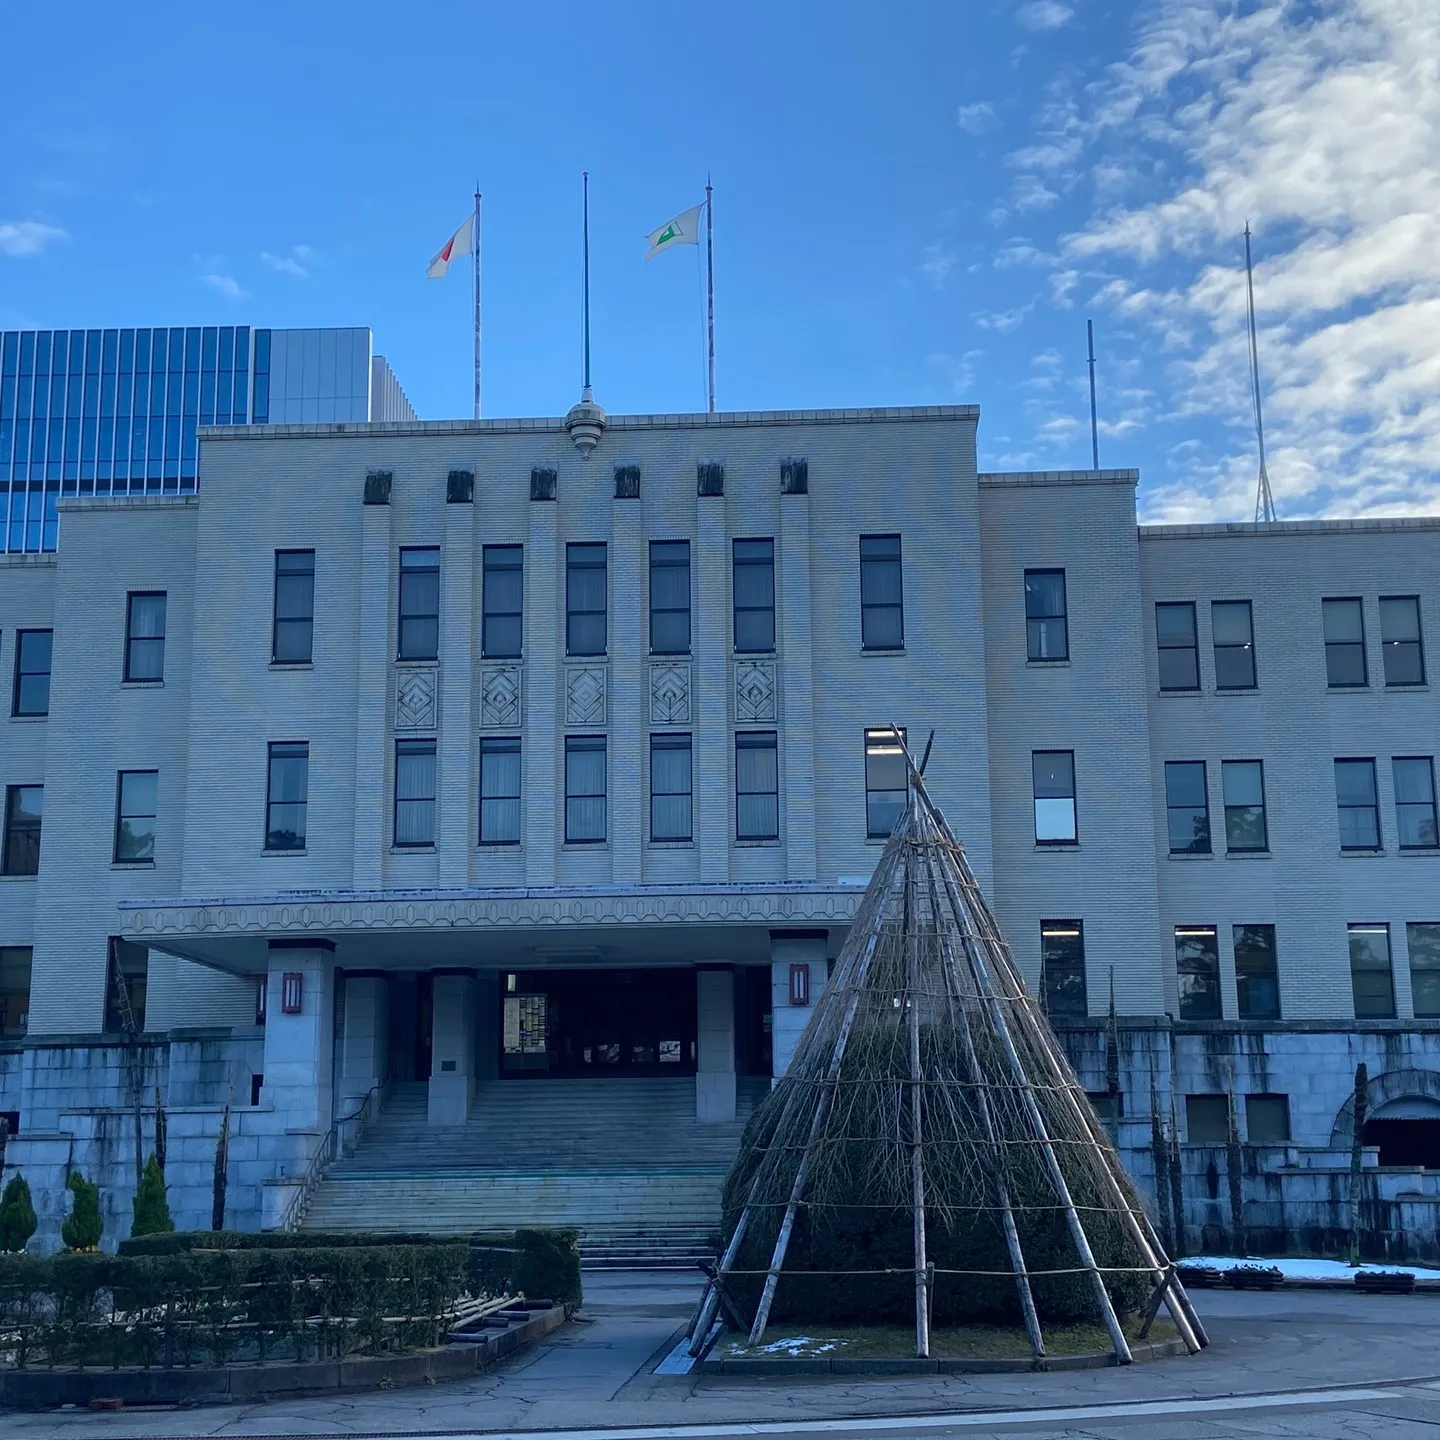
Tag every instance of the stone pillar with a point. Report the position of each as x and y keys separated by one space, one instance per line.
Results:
x=458 y=787
x=796 y=680
x=628 y=721
x=372 y=729
x=544 y=639
x=714 y=809
x=452 y=1052
x=715 y=1052
x=787 y=948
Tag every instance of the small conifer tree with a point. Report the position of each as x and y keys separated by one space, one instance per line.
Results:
x=152 y=1212
x=17 y=1215
x=83 y=1227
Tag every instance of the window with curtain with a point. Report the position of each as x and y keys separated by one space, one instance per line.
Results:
x=1242 y=783
x=1371 y=979
x=753 y=592
x=286 y=795
x=414 y=793
x=882 y=593
x=585 y=598
x=1358 y=807
x=1187 y=807
x=135 y=793
x=1257 y=978
x=1197 y=965
x=1233 y=633
x=757 y=786
x=1178 y=650
x=293 y=634
x=1053 y=773
x=1415 y=802
x=32 y=672
x=670 y=787
x=669 y=597
x=1423 y=940
x=419 y=637
x=1047 y=626
x=145 y=635
x=1400 y=642
x=1344 y=626
x=1062 y=968
x=502 y=602
x=584 y=789
x=500 y=790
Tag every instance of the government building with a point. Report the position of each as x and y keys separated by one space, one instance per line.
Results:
x=466 y=814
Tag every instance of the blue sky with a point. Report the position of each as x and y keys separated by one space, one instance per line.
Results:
x=915 y=204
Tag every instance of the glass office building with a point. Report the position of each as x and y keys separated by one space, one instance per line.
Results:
x=114 y=412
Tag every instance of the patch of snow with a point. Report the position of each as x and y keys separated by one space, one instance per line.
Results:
x=1310 y=1269
x=794 y=1345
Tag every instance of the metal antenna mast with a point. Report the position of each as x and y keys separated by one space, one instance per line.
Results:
x=1094 y=422
x=1264 y=500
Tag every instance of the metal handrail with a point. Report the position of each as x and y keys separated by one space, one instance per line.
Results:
x=300 y=1201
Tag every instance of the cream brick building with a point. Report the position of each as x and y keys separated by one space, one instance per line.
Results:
x=417 y=776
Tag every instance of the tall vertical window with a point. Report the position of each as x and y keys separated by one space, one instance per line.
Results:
x=1187 y=807
x=32 y=672
x=286 y=795
x=15 y=967
x=584 y=789
x=1232 y=629
x=669 y=597
x=24 y=809
x=1047 y=626
x=419 y=637
x=882 y=597
x=753 y=589
x=293 y=636
x=145 y=635
x=1371 y=978
x=500 y=790
x=1423 y=941
x=671 y=787
x=1243 y=785
x=135 y=792
x=1344 y=624
x=585 y=596
x=1179 y=652
x=1257 y=978
x=502 y=602
x=1197 y=965
x=1062 y=967
x=886 y=784
x=1053 y=773
x=1359 y=809
x=1400 y=641
x=414 y=793
x=757 y=786
x=1415 y=802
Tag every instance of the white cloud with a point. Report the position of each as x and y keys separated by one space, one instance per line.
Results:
x=1044 y=15
x=938 y=262
x=227 y=285
x=1004 y=320
x=1020 y=251
x=20 y=239
x=290 y=264
x=976 y=119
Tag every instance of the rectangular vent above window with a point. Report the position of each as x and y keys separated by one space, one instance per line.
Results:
x=627 y=482
x=460 y=487
x=795 y=477
x=377 y=487
x=709 y=478
x=542 y=483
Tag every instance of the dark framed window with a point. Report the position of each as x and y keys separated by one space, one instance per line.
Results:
x=1267 y=1119
x=586 y=585
x=500 y=790
x=1359 y=808
x=1047 y=624
x=1178 y=649
x=32 y=672
x=502 y=602
x=1187 y=807
x=757 y=785
x=414 y=794
x=24 y=810
x=132 y=962
x=15 y=969
x=145 y=635
x=135 y=809
x=887 y=787
x=1371 y=979
x=1344 y=625
x=1197 y=964
x=584 y=789
x=753 y=590
x=419 y=630
x=1242 y=784
x=1062 y=968
x=293 y=634
x=671 y=787
x=1233 y=632
x=1207 y=1119
x=286 y=794
x=1400 y=644
x=1053 y=774
x=669 y=597
x=1415 y=817
x=882 y=593
x=1257 y=976
x=1423 y=940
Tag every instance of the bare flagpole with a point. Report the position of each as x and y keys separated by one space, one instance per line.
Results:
x=1094 y=423
x=475 y=246
x=710 y=287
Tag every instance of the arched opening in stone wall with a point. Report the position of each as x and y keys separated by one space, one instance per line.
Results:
x=1407 y=1132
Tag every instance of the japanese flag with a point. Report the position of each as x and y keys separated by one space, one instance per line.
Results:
x=462 y=242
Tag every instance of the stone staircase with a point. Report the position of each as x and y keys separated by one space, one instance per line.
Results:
x=621 y=1159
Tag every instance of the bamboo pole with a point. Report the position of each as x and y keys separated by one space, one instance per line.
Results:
x=917 y=1159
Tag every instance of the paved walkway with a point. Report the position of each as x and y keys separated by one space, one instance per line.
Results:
x=1376 y=1358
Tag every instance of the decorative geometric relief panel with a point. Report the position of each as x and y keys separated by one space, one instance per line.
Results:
x=500 y=697
x=670 y=694
x=584 y=694
x=415 y=700
x=754 y=691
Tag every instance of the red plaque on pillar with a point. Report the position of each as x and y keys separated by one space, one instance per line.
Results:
x=292 y=992
x=800 y=984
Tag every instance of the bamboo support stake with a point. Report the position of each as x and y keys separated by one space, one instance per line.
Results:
x=917 y=1159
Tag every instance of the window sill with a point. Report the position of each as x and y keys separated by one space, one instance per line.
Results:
x=1055 y=664
x=1363 y=854
x=417 y=664
x=30 y=719
x=19 y=877
x=758 y=654
x=599 y=659
x=670 y=656
x=1184 y=855
x=1407 y=685
x=772 y=844
x=1420 y=850
x=142 y=684
x=132 y=864
x=292 y=664
x=586 y=847
x=412 y=849
x=1364 y=689
x=875 y=651
x=499 y=847
x=1249 y=855
x=1180 y=694
x=280 y=854
x=671 y=844
x=1237 y=689
x=1052 y=846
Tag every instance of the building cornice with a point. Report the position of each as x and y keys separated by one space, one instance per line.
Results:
x=1005 y=479
x=1276 y=528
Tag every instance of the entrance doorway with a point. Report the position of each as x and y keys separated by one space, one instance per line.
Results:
x=598 y=1022
x=1407 y=1143
x=412 y=1025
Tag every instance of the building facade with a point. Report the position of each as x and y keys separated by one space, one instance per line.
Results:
x=447 y=762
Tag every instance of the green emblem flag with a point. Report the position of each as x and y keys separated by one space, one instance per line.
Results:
x=684 y=229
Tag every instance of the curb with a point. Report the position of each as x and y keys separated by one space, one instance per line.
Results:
x=44 y=1389
x=819 y=1365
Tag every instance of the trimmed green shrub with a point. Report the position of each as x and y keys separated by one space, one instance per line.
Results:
x=548 y=1266
x=151 y=1210
x=83 y=1226
x=17 y=1215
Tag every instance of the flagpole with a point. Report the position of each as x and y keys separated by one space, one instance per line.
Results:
x=710 y=287
x=476 y=248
